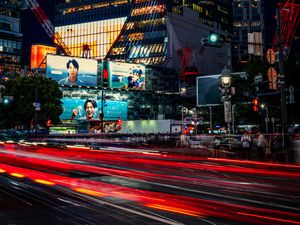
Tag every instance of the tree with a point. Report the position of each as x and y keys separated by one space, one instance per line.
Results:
x=26 y=91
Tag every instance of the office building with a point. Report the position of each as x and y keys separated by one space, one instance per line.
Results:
x=144 y=31
x=10 y=39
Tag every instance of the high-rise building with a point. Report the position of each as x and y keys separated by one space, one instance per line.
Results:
x=10 y=38
x=252 y=30
x=158 y=33
x=144 y=31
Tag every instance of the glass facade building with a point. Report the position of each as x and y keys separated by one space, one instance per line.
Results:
x=91 y=39
x=136 y=31
x=144 y=37
x=90 y=28
x=130 y=30
x=10 y=38
x=248 y=27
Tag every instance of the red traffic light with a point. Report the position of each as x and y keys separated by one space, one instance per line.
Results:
x=48 y=123
x=255 y=104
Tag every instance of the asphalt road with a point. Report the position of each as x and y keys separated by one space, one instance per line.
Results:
x=82 y=186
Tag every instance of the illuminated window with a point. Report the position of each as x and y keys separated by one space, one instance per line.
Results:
x=98 y=35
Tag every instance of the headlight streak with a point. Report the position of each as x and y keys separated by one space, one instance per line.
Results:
x=179 y=204
x=143 y=198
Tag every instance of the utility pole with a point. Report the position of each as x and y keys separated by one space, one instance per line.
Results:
x=102 y=111
x=210 y=120
x=281 y=78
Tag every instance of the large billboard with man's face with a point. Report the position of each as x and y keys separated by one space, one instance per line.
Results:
x=72 y=70
x=87 y=104
x=124 y=75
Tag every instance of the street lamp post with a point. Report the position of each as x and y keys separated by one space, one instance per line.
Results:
x=263 y=106
x=233 y=120
x=210 y=120
x=281 y=79
x=225 y=85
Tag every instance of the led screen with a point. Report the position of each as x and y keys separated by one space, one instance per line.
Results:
x=208 y=92
x=125 y=75
x=38 y=54
x=87 y=105
x=72 y=70
x=76 y=108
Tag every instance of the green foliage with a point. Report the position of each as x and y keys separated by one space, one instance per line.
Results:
x=26 y=91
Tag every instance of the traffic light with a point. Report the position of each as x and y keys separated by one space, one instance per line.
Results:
x=48 y=123
x=7 y=100
x=119 y=122
x=213 y=38
x=255 y=104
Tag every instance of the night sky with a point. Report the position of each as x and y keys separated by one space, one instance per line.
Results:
x=33 y=32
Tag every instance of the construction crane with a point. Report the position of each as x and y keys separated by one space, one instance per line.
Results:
x=290 y=17
x=47 y=25
x=188 y=70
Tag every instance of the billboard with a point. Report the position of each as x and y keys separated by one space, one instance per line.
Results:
x=124 y=75
x=72 y=70
x=208 y=92
x=90 y=109
x=85 y=105
x=38 y=54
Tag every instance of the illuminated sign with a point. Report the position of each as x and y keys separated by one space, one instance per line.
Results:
x=72 y=70
x=86 y=105
x=62 y=130
x=38 y=54
x=124 y=75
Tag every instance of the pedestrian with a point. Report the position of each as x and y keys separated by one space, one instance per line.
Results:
x=246 y=145
x=268 y=148
x=217 y=146
x=260 y=146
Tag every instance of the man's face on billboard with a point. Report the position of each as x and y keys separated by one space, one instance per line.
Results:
x=72 y=71
x=89 y=110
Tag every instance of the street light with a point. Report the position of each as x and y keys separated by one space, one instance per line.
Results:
x=263 y=106
x=226 y=78
x=225 y=85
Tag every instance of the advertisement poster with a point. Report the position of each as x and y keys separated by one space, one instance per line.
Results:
x=125 y=75
x=86 y=105
x=90 y=109
x=38 y=54
x=72 y=70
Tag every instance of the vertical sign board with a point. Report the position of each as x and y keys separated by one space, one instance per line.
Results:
x=227 y=111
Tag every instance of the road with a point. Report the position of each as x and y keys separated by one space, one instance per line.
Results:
x=82 y=186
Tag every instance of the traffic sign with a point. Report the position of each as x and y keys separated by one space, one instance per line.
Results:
x=271 y=56
x=272 y=76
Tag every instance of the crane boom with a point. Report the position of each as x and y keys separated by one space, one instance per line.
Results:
x=290 y=17
x=47 y=25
